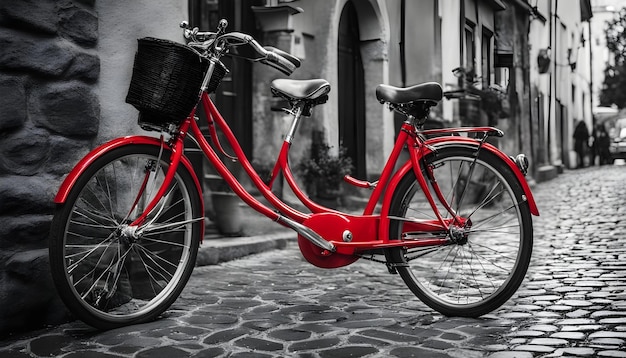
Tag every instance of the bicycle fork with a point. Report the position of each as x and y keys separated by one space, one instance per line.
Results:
x=136 y=228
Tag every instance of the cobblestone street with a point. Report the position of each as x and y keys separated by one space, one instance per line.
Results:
x=274 y=304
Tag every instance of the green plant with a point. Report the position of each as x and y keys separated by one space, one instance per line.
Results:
x=494 y=102
x=321 y=171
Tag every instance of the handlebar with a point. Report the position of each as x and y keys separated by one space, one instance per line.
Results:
x=240 y=45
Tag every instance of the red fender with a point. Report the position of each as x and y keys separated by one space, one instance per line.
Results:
x=72 y=177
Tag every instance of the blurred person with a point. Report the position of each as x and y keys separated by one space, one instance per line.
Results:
x=600 y=146
x=581 y=139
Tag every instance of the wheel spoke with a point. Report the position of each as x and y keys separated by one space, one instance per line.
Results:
x=492 y=262
x=489 y=198
x=423 y=251
x=95 y=280
x=86 y=254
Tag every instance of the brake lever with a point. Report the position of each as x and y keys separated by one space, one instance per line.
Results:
x=221 y=27
x=188 y=32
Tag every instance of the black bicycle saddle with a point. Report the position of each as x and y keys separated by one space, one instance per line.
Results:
x=428 y=92
x=300 y=89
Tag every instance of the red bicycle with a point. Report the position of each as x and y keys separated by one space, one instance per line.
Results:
x=454 y=221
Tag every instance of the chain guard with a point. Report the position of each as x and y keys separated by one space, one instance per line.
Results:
x=331 y=227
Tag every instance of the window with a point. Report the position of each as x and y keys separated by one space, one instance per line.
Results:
x=469 y=48
x=501 y=77
x=204 y=14
x=485 y=57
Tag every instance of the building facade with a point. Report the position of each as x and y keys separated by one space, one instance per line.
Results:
x=600 y=58
x=603 y=11
x=363 y=43
x=560 y=80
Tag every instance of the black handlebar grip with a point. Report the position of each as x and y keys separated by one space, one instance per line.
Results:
x=280 y=63
x=291 y=58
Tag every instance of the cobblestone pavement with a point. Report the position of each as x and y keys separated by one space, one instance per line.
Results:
x=572 y=303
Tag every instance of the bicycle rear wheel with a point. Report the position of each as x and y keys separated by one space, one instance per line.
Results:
x=488 y=258
x=110 y=274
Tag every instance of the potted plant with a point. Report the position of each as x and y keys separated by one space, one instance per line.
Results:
x=323 y=173
x=226 y=213
x=491 y=100
x=494 y=102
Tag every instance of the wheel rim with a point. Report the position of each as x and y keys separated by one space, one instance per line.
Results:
x=479 y=265
x=119 y=272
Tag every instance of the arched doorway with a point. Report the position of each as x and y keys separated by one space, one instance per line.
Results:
x=351 y=92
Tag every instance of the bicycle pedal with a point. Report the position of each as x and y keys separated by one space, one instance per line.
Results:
x=391 y=267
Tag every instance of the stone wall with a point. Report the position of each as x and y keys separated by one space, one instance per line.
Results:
x=49 y=117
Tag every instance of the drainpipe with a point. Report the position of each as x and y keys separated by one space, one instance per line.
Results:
x=591 y=94
x=402 y=42
x=552 y=80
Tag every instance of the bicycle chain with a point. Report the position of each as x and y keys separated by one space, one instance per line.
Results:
x=391 y=266
x=371 y=258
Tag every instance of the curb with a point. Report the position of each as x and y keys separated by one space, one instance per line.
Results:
x=213 y=251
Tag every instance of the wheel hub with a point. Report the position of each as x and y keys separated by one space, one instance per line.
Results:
x=459 y=232
x=128 y=234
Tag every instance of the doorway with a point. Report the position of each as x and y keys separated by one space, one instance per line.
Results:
x=351 y=91
x=234 y=95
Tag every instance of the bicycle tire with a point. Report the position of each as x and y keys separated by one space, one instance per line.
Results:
x=485 y=268
x=108 y=279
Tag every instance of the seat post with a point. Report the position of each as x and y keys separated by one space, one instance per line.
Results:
x=296 y=112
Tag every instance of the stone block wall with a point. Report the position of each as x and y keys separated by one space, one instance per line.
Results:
x=49 y=117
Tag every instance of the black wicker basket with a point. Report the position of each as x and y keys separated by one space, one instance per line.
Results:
x=166 y=81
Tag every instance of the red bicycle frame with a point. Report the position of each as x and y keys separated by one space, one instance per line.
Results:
x=330 y=231
x=368 y=231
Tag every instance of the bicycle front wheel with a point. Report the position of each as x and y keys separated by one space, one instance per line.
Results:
x=108 y=273
x=488 y=256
